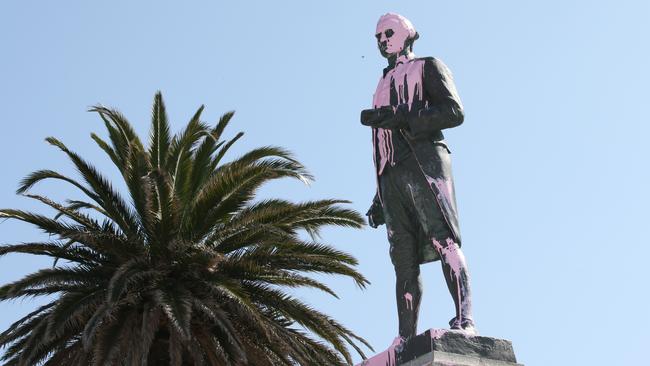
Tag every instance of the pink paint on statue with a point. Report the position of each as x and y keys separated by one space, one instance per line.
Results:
x=406 y=77
x=382 y=93
x=437 y=246
x=389 y=356
x=437 y=333
x=409 y=300
x=453 y=258
x=385 y=358
x=402 y=30
x=386 y=152
x=443 y=187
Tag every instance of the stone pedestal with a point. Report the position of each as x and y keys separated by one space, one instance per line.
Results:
x=442 y=347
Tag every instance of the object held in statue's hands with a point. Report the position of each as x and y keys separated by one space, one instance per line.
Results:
x=386 y=117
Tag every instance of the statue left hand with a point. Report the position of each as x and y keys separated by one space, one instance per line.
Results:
x=375 y=215
x=386 y=117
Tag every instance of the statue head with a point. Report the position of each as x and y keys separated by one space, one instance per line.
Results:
x=395 y=35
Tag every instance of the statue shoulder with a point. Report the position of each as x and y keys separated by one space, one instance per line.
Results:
x=435 y=66
x=430 y=60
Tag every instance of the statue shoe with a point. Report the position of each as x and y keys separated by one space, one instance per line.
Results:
x=464 y=325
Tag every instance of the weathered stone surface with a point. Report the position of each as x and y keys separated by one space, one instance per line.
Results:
x=442 y=347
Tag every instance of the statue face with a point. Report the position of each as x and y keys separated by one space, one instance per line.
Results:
x=392 y=33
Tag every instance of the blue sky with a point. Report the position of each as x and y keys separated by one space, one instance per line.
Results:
x=550 y=165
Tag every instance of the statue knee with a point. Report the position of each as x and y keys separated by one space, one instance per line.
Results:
x=445 y=246
x=404 y=254
x=405 y=268
x=450 y=253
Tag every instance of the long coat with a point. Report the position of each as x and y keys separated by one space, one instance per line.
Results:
x=427 y=87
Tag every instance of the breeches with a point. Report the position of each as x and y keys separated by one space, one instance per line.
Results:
x=413 y=217
x=411 y=212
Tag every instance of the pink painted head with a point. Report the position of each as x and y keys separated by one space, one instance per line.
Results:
x=393 y=32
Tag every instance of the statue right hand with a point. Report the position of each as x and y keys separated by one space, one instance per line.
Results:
x=386 y=117
x=375 y=215
x=375 y=116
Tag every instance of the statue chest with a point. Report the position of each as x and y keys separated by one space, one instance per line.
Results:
x=400 y=85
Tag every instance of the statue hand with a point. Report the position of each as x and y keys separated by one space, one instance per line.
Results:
x=386 y=117
x=374 y=116
x=375 y=215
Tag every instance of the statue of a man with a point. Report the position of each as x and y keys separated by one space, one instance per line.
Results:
x=415 y=100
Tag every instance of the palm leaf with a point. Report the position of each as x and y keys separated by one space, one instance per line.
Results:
x=160 y=139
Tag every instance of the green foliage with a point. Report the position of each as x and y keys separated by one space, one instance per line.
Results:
x=186 y=269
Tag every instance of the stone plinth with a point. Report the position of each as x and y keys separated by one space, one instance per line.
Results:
x=442 y=347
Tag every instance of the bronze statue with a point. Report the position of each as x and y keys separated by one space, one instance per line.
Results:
x=415 y=100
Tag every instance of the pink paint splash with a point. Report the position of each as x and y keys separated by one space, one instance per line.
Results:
x=443 y=186
x=402 y=30
x=409 y=300
x=437 y=196
x=406 y=76
x=408 y=71
x=374 y=160
x=385 y=358
x=437 y=333
x=389 y=356
x=453 y=258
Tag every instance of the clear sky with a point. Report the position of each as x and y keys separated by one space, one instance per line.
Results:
x=551 y=164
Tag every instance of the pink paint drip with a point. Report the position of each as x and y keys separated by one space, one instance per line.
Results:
x=443 y=186
x=385 y=358
x=386 y=151
x=454 y=260
x=409 y=301
x=407 y=71
x=422 y=170
x=374 y=160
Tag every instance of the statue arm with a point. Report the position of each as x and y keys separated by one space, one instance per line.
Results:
x=444 y=109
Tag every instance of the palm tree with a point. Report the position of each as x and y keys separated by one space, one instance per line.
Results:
x=190 y=270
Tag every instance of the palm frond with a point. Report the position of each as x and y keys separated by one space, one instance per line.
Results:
x=160 y=139
x=106 y=196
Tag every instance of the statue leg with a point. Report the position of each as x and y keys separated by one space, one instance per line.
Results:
x=402 y=229
x=408 y=288
x=454 y=265
x=454 y=268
